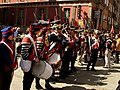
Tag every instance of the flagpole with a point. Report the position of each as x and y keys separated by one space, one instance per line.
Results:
x=35 y=16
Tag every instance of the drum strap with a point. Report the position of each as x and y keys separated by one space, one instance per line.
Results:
x=51 y=54
x=7 y=46
x=31 y=39
x=52 y=45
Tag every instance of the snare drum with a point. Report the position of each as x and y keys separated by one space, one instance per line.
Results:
x=54 y=58
x=42 y=70
x=55 y=61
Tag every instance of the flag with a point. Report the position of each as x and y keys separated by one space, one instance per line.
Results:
x=43 y=16
x=112 y=30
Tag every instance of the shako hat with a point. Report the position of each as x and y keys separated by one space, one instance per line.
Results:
x=6 y=32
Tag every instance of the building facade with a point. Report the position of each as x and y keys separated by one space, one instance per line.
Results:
x=98 y=14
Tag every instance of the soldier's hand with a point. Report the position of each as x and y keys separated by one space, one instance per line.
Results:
x=36 y=59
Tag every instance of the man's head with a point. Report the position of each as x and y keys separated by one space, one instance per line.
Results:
x=7 y=33
x=35 y=28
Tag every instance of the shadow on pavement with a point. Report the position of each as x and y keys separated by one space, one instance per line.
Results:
x=71 y=88
x=116 y=67
x=87 y=77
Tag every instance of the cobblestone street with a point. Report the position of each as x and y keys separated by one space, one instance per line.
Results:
x=102 y=79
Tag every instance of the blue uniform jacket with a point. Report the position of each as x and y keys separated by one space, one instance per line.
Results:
x=5 y=58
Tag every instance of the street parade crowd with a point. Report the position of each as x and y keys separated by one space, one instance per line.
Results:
x=43 y=49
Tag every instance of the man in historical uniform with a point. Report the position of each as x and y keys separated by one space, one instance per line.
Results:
x=108 y=51
x=94 y=52
x=8 y=62
x=42 y=45
x=28 y=53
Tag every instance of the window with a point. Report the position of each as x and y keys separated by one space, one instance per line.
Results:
x=110 y=7
x=20 y=20
x=21 y=0
x=67 y=12
x=106 y=2
x=113 y=9
x=6 y=0
x=104 y=17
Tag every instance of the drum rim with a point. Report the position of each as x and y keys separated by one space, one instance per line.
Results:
x=51 y=56
x=44 y=69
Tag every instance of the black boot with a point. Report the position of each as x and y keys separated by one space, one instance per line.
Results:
x=85 y=59
x=38 y=86
x=48 y=86
x=93 y=69
x=87 y=68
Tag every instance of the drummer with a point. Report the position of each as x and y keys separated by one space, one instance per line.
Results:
x=27 y=52
x=42 y=48
x=67 y=56
x=55 y=40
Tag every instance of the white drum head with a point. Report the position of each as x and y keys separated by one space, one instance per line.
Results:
x=38 y=68
x=54 y=58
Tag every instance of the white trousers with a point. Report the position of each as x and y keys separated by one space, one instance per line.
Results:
x=107 y=57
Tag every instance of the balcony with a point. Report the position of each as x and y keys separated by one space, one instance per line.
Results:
x=19 y=1
x=72 y=0
x=10 y=2
x=96 y=1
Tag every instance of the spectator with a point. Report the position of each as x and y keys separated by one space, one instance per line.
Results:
x=7 y=62
x=117 y=48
